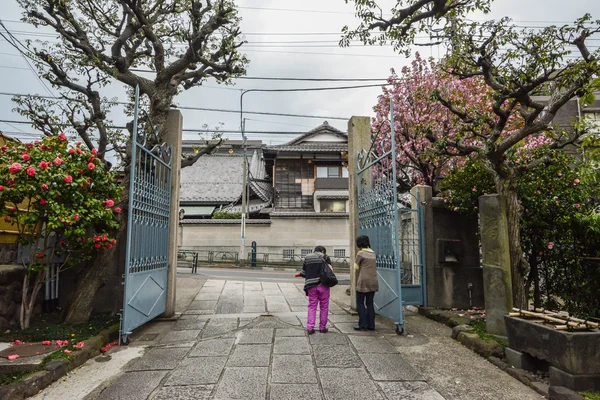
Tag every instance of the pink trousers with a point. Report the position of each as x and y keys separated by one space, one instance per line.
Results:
x=318 y=296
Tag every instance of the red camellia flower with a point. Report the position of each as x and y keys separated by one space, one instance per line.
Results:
x=43 y=202
x=68 y=351
x=79 y=150
x=96 y=238
x=45 y=186
x=58 y=161
x=79 y=345
x=71 y=151
x=91 y=166
x=1 y=188
x=43 y=164
x=78 y=143
x=12 y=209
x=46 y=342
x=40 y=255
x=25 y=156
x=68 y=179
x=12 y=357
x=76 y=217
x=30 y=171
x=29 y=145
x=104 y=237
x=94 y=151
x=4 y=148
x=97 y=245
x=6 y=219
x=117 y=209
x=10 y=182
x=110 y=202
x=15 y=167
x=62 y=136
x=62 y=243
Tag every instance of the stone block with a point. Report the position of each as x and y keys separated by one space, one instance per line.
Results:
x=336 y=356
x=295 y=392
x=243 y=384
x=293 y=369
x=256 y=355
x=36 y=382
x=196 y=392
x=368 y=344
x=57 y=368
x=133 y=386
x=180 y=336
x=202 y=305
x=290 y=332
x=460 y=328
x=193 y=371
x=567 y=351
x=213 y=348
x=389 y=367
x=217 y=327
x=189 y=324
x=291 y=345
x=158 y=359
x=329 y=338
x=520 y=360
x=457 y=321
x=347 y=384
x=579 y=383
x=11 y=392
x=256 y=336
x=563 y=393
x=483 y=347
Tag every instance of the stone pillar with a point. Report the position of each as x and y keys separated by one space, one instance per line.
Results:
x=497 y=283
x=425 y=195
x=173 y=136
x=359 y=138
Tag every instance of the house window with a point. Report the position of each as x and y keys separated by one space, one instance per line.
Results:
x=294 y=183
x=344 y=172
x=333 y=206
x=328 y=171
x=288 y=254
x=305 y=252
x=339 y=253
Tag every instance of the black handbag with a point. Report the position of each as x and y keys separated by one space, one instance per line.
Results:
x=328 y=278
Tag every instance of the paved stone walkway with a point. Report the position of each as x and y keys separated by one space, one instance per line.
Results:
x=225 y=347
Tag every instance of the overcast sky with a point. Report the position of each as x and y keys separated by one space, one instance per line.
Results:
x=270 y=29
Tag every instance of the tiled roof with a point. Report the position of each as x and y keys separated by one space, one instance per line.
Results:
x=213 y=178
x=323 y=128
x=332 y=197
x=299 y=214
x=328 y=147
x=225 y=221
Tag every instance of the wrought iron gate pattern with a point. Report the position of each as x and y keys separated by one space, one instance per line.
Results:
x=147 y=256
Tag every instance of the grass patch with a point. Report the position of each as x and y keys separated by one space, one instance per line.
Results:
x=49 y=327
x=479 y=328
x=7 y=379
x=591 y=396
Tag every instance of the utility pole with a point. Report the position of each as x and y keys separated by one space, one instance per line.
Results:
x=242 y=256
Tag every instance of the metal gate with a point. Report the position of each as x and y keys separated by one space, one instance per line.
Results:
x=147 y=230
x=395 y=233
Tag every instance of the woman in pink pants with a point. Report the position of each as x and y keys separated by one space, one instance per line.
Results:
x=318 y=295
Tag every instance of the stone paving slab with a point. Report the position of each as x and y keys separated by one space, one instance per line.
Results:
x=295 y=392
x=203 y=305
x=293 y=369
x=199 y=312
x=197 y=392
x=186 y=324
x=336 y=356
x=289 y=332
x=347 y=384
x=409 y=391
x=291 y=345
x=243 y=383
x=194 y=371
x=328 y=338
x=213 y=348
x=254 y=309
x=158 y=359
x=335 y=318
x=212 y=295
x=256 y=336
x=390 y=367
x=291 y=319
x=219 y=326
x=250 y=355
x=133 y=386
x=230 y=306
x=372 y=344
x=180 y=336
x=254 y=301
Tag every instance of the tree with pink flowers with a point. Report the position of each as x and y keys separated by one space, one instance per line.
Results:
x=61 y=200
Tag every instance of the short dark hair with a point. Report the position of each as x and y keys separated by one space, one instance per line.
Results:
x=320 y=249
x=362 y=242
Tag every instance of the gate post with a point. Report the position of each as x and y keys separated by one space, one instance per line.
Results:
x=359 y=139
x=425 y=194
x=497 y=282
x=173 y=136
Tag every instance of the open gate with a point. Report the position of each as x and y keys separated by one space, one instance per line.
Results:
x=395 y=233
x=147 y=256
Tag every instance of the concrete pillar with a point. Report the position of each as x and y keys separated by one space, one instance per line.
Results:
x=173 y=136
x=497 y=283
x=425 y=195
x=359 y=138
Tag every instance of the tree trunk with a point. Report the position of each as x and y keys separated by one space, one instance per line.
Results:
x=518 y=264
x=95 y=274
x=28 y=300
x=534 y=275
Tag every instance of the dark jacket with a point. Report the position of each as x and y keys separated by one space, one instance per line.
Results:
x=311 y=270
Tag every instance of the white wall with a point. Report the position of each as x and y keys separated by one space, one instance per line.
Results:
x=282 y=233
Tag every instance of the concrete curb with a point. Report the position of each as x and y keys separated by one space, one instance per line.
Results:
x=56 y=369
x=489 y=349
x=273 y=268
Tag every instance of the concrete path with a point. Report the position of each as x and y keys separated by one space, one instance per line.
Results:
x=246 y=340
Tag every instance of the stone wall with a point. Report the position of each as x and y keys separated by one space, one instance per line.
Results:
x=11 y=284
x=456 y=279
x=8 y=253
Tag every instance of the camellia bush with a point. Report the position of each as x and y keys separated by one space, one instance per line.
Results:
x=61 y=199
